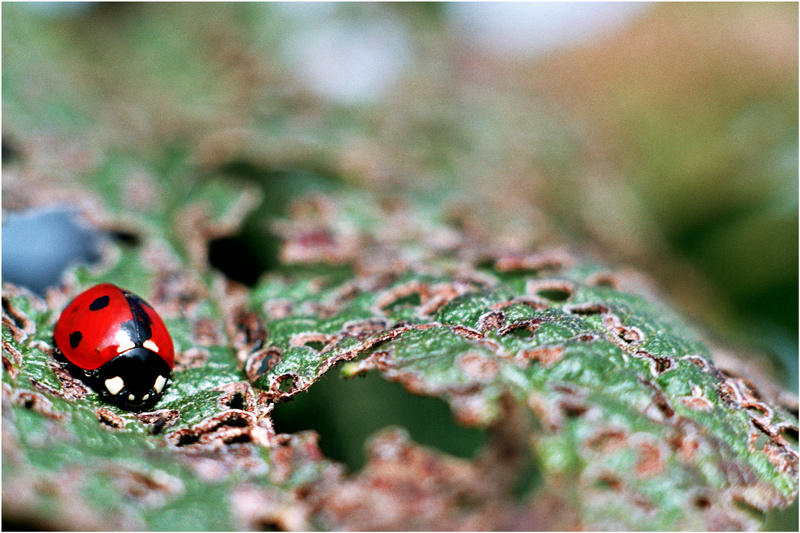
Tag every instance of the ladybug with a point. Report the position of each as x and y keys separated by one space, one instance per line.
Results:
x=116 y=343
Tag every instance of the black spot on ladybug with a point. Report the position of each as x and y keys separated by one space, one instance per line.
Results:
x=99 y=303
x=75 y=339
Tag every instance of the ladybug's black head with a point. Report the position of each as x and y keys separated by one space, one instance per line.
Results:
x=134 y=379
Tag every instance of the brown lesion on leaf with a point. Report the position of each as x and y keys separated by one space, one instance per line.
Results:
x=174 y=293
x=661 y=410
x=478 y=366
x=109 y=419
x=563 y=401
x=587 y=309
x=259 y=508
x=71 y=389
x=697 y=401
x=549 y=260
x=604 y=279
x=414 y=293
x=528 y=324
x=228 y=427
x=149 y=489
x=547 y=356
x=362 y=329
x=650 y=456
x=159 y=419
x=278 y=308
x=237 y=395
x=623 y=336
x=206 y=332
x=548 y=291
x=192 y=358
x=606 y=439
x=492 y=320
x=658 y=363
x=319 y=342
x=262 y=361
x=291 y=452
x=246 y=331
x=12 y=359
x=17 y=321
x=312 y=235
x=407 y=486
x=286 y=385
x=36 y=402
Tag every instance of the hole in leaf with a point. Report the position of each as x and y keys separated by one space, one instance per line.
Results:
x=187 y=439
x=268 y=525
x=346 y=412
x=790 y=434
x=317 y=346
x=555 y=295
x=237 y=422
x=125 y=238
x=285 y=383
x=254 y=250
x=702 y=502
x=411 y=300
x=237 y=401
x=239 y=439
x=10 y=152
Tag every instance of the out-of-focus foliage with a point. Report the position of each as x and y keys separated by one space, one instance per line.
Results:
x=415 y=237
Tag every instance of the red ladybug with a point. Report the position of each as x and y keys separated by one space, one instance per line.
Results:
x=117 y=344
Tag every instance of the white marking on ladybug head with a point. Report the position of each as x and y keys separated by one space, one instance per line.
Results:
x=145 y=397
x=131 y=397
x=114 y=385
x=159 y=385
x=150 y=345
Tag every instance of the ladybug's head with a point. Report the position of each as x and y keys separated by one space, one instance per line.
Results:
x=134 y=379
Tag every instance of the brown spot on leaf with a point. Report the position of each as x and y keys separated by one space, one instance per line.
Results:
x=275 y=309
x=361 y=329
x=650 y=461
x=217 y=431
x=550 y=290
x=478 y=366
x=316 y=341
x=150 y=489
x=607 y=440
x=547 y=356
x=12 y=359
x=552 y=260
x=159 y=420
x=586 y=309
x=191 y=358
x=259 y=508
x=237 y=395
x=697 y=401
x=206 y=332
x=492 y=320
x=38 y=403
x=529 y=324
x=262 y=361
x=467 y=333
x=109 y=419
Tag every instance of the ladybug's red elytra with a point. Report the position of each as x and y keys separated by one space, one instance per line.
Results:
x=115 y=342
